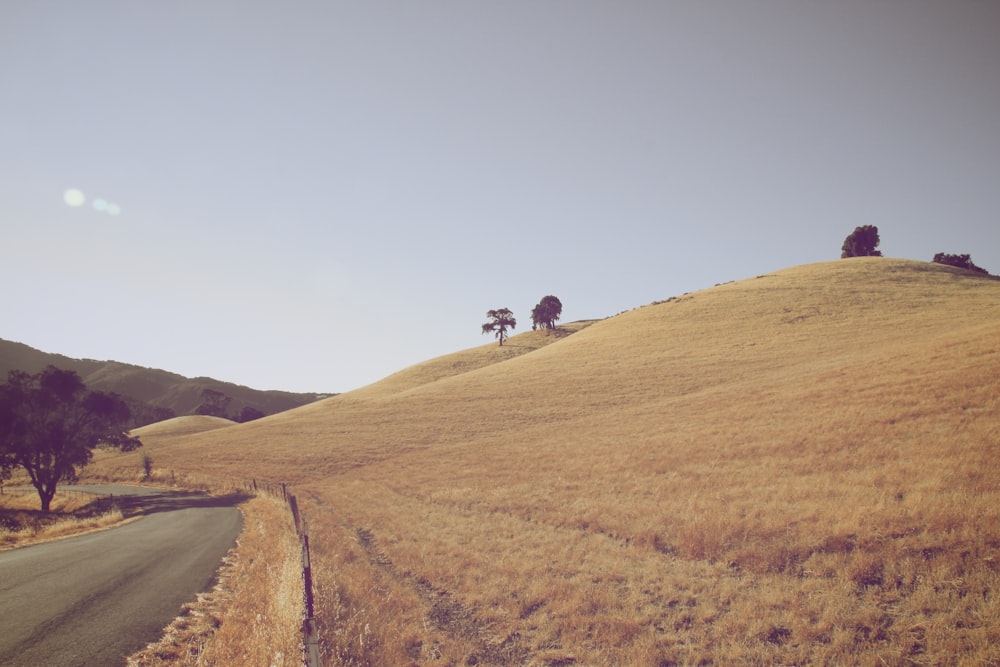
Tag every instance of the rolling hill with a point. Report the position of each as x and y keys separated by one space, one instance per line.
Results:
x=153 y=387
x=800 y=467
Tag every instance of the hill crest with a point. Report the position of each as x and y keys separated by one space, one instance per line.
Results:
x=158 y=389
x=788 y=322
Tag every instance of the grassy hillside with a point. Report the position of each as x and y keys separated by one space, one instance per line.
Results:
x=795 y=468
x=157 y=388
x=180 y=427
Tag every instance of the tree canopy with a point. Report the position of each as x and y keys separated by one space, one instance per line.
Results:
x=546 y=312
x=500 y=320
x=959 y=261
x=862 y=242
x=213 y=403
x=248 y=414
x=50 y=424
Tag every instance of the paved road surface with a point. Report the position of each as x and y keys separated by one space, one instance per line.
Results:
x=94 y=599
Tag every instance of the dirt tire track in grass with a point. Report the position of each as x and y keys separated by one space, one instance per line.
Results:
x=448 y=614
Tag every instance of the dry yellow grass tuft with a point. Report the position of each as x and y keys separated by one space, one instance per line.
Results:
x=795 y=468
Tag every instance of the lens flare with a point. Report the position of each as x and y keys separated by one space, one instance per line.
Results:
x=74 y=198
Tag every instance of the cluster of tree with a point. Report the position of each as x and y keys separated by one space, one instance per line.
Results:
x=960 y=261
x=50 y=425
x=545 y=314
x=864 y=240
x=144 y=413
x=216 y=404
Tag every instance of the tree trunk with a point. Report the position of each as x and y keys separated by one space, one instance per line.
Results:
x=46 y=495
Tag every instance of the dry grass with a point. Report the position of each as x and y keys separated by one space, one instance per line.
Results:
x=109 y=466
x=795 y=468
x=22 y=523
x=254 y=614
x=182 y=426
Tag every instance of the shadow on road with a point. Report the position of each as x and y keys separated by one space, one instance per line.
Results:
x=130 y=500
x=171 y=501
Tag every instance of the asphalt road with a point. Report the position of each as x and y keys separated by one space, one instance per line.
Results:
x=96 y=598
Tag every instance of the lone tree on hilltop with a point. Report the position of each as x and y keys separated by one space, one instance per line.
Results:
x=546 y=312
x=959 y=261
x=500 y=320
x=50 y=425
x=861 y=243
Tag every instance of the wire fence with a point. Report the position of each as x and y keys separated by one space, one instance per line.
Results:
x=31 y=491
x=255 y=486
x=63 y=494
x=310 y=635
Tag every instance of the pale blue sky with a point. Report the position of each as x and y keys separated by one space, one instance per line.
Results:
x=313 y=195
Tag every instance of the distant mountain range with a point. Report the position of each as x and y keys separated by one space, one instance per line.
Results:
x=153 y=394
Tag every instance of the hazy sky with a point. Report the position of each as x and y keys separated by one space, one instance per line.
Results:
x=310 y=196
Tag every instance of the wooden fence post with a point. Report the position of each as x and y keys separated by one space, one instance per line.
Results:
x=309 y=626
x=294 y=504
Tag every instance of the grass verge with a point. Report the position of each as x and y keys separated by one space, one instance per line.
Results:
x=254 y=614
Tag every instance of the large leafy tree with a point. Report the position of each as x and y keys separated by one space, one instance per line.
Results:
x=862 y=242
x=50 y=424
x=500 y=320
x=546 y=312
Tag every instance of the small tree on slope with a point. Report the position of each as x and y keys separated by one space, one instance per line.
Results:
x=500 y=320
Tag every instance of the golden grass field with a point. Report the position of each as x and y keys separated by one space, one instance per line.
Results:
x=796 y=468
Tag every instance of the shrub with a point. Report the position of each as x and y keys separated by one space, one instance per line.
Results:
x=959 y=261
